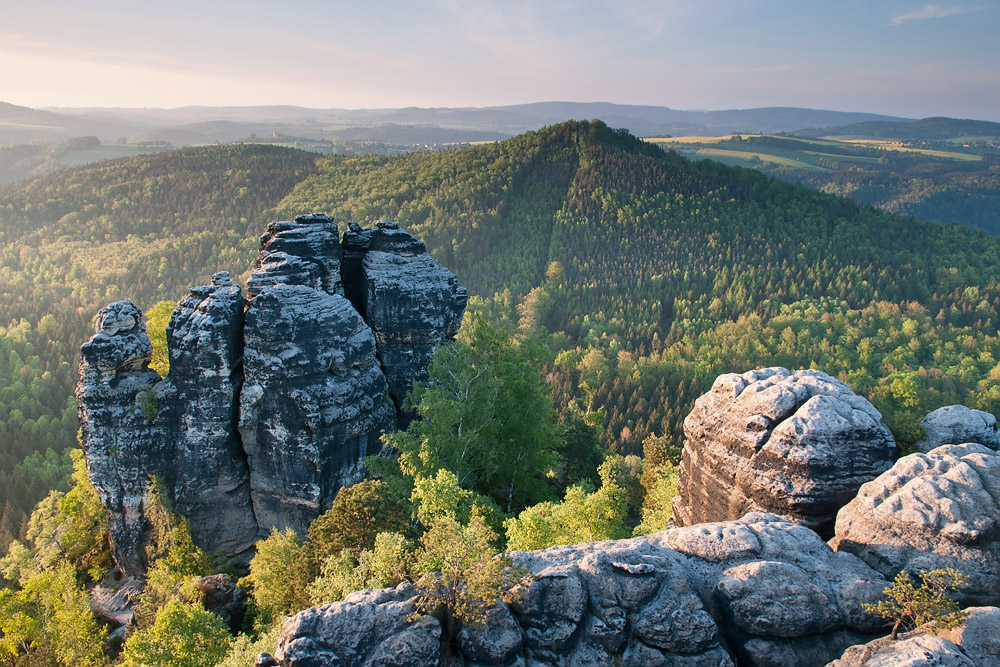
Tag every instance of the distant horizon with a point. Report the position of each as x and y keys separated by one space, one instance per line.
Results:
x=907 y=58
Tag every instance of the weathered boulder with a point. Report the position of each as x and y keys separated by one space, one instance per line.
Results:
x=974 y=642
x=411 y=302
x=122 y=444
x=769 y=590
x=209 y=478
x=955 y=424
x=367 y=628
x=930 y=511
x=796 y=444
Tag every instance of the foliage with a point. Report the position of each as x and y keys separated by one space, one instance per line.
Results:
x=463 y=575
x=386 y=564
x=72 y=526
x=244 y=649
x=174 y=559
x=359 y=513
x=584 y=515
x=908 y=605
x=184 y=635
x=49 y=616
x=157 y=319
x=486 y=416
x=279 y=574
x=657 y=509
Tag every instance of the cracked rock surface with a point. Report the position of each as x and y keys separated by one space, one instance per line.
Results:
x=796 y=444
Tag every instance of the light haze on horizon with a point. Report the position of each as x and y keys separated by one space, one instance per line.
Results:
x=898 y=57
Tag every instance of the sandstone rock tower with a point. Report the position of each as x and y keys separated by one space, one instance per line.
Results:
x=273 y=401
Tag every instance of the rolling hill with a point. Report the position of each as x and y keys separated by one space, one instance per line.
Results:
x=646 y=274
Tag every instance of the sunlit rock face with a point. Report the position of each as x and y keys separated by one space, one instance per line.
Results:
x=796 y=444
x=273 y=401
x=931 y=511
x=122 y=443
x=956 y=424
x=761 y=591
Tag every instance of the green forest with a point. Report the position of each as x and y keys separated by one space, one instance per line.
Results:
x=612 y=282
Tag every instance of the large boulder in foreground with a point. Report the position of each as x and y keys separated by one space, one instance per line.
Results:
x=796 y=444
x=955 y=424
x=975 y=643
x=760 y=591
x=931 y=511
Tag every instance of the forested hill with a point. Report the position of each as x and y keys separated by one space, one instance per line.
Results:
x=655 y=274
x=649 y=274
x=144 y=228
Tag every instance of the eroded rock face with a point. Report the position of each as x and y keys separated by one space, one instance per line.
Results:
x=210 y=479
x=314 y=403
x=411 y=302
x=955 y=424
x=796 y=444
x=781 y=595
x=975 y=642
x=270 y=405
x=121 y=440
x=930 y=511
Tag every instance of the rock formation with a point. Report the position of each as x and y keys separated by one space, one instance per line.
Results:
x=263 y=415
x=410 y=301
x=208 y=474
x=930 y=511
x=955 y=424
x=798 y=445
x=117 y=409
x=757 y=591
x=975 y=643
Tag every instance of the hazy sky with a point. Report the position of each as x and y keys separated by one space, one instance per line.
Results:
x=902 y=57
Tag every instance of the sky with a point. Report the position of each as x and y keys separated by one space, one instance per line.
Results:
x=897 y=57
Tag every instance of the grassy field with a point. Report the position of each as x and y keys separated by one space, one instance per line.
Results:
x=752 y=150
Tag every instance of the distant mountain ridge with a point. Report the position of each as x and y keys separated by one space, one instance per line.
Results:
x=642 y=120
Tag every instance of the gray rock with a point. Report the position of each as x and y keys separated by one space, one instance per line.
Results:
x=313 y=404
x=795 y=444
x=221 y=596
x=930 y=511
x=412 y=303
x=123 y=447
x=976 y=641
x=370 y=628
x=304 y=252
x=770 y=590
x=955 y=424
x=209 y=474
x=265 y=413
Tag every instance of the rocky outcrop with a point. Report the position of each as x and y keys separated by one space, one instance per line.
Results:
x=117 y=410
x=757 y=591
x=208 y=474
x=955 y=424
x=412 y=303
x=930 y=511
x=797 y=444
x=314 y=403
x=975 y=642
x=271 y=403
